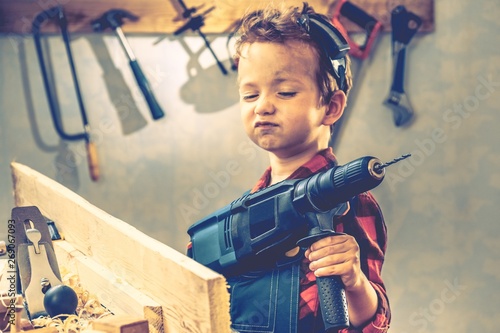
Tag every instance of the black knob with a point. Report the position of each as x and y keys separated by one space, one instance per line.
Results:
x=60 y=299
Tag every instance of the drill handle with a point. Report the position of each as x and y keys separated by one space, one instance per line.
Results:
x=333 y=302
x=332 y=298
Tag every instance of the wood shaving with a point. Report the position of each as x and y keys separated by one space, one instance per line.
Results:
x=89 y=309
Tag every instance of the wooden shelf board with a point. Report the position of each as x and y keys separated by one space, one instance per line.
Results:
x=164 y=16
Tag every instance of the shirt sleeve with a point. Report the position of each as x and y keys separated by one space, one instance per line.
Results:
x=367 y=225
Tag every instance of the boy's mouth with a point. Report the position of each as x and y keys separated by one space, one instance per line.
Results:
x=265 y=124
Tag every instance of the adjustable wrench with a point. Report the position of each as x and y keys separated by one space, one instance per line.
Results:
x=404 y=26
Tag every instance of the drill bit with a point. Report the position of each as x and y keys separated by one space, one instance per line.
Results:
x=379 y=167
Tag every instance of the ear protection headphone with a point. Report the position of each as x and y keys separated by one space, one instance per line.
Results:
x=332 y=42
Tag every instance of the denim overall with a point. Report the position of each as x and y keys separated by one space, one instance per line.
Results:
x=267 y=301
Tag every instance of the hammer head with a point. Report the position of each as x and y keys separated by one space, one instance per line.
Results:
x=112 y=19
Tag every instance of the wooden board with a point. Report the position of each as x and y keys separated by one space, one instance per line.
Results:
x=193 y=297
x=111 y=291
x=120 y=324
x=165 y=16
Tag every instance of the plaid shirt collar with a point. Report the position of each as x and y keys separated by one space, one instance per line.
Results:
x=323 y=160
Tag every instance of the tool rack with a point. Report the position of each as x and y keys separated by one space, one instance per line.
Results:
x=165 y=16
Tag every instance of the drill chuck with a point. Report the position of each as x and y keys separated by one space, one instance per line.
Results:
x=324 y=191
x=376 y=169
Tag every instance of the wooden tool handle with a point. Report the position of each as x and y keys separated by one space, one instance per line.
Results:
x=93 y=161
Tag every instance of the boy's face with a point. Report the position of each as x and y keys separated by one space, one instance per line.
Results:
x=280 y=98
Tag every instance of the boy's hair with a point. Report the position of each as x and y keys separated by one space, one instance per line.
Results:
x=279 y=25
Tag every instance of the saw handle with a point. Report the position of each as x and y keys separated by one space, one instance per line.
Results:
x=155 y=108
x=357 y=15
x=93 y=161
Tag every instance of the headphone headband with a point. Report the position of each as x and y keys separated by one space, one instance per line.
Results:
x=332 y=42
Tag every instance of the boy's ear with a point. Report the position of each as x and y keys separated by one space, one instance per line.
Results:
x=335 y=108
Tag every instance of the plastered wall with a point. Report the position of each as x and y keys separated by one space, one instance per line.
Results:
x=441 y=205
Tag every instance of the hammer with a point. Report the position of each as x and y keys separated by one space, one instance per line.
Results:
x=113 y=19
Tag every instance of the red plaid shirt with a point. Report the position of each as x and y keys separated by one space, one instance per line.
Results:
x=368 y=227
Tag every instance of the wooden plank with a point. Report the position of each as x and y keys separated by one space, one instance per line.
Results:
x=164 y=16
x=193 y=297
x=112 y=292
x=120 y=324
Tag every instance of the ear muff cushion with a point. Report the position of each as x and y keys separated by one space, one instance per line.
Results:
x=326 y=35
x=331 y=40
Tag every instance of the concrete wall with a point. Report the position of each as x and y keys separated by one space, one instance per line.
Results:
x=441 y=206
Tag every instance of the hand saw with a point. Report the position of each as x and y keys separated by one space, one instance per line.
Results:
x=57 y=15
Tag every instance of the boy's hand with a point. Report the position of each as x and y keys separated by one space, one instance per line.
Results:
x=336 y=255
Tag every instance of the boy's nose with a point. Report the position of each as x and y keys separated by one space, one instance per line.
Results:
x=264 y=106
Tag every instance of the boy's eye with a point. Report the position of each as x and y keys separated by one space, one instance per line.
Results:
x=287 y=93
x=249 y=97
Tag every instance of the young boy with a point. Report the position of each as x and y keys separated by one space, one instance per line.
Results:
x=289 y=104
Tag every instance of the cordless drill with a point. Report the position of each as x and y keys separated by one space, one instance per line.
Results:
x=260 y=227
